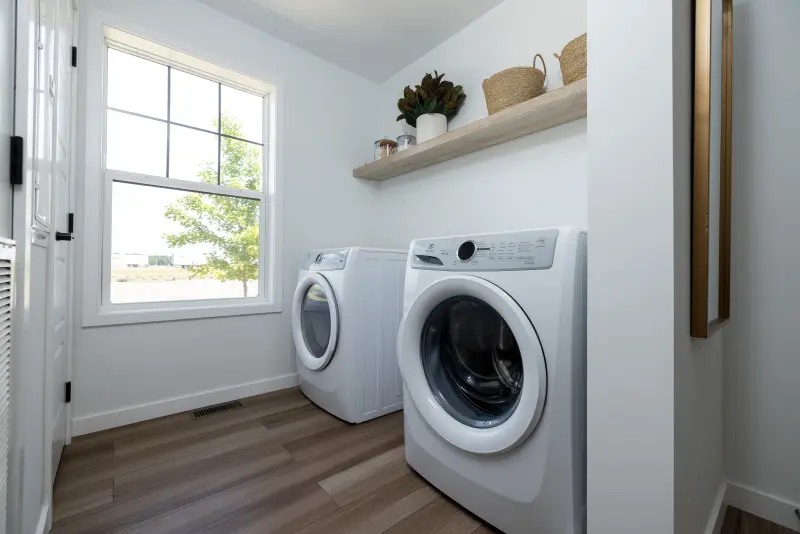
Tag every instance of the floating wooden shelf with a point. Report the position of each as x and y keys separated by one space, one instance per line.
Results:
x=551 y=109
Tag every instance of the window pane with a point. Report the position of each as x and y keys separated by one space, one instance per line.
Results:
x=241 y=165
x=171 y=245
x=194 y=101
x=193 y=155
x=244 y=113
x=135 y=144
x=137 y=85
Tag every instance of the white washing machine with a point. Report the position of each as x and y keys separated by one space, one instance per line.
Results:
x=492 y=349
x=345 y=316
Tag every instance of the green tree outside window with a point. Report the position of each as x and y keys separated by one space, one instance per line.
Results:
x=229 y=224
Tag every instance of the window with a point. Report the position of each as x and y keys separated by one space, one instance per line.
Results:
x=188 y=192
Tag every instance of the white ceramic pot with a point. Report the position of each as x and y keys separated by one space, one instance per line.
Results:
x=429 y=126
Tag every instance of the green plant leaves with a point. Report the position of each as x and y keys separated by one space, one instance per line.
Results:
x=431 y=107
x=433 y=95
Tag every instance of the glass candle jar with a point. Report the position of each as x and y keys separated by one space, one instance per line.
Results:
x=405 y=141
x=384 y=148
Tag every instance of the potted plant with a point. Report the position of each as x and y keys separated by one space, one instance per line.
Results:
x=431 y=105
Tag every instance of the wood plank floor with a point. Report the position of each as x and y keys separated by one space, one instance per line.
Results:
x=739 y=522
x=277 y=465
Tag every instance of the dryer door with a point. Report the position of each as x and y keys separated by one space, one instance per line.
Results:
x=473 y=364
x=315 y=321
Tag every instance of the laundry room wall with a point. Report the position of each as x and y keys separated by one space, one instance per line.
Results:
x=127 y=373
x=631 y=334
x=762 y=367
x=699 y=477
x=536 y=181
x=664 y=463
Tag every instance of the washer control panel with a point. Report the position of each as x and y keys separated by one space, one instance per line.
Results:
x=325 y=260
x=517 y=251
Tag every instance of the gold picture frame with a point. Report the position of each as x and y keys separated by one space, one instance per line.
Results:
x=711 y=176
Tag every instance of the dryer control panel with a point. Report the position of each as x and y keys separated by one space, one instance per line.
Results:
x=518 y=251
x=325 y=260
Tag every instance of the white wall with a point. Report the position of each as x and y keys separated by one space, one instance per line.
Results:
x=122 y=367
x=762 y=367
x=698 y=363
x=535 y=181
x=631 y=323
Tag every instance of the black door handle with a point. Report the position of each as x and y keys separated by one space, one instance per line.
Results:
x=64 y=236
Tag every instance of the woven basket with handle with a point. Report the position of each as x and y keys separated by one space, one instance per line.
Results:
x=513 y=86
x=573 y=60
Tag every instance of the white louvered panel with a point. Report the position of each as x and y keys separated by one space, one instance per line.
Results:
x=6 y=302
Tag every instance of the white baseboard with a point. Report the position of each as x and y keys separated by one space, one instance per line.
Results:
x=43 y=526
x=763 y=505
x=142 y=412
x=718 y=509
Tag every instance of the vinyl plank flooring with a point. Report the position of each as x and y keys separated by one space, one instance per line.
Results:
x=221 y=421
x=377 y=511
x=299 y=423
x=86 y=498
x=730 y=525
x=81 y=475
x=127 y=512
x=431 y=518
x=75 y=456
x=342 y=437
x=351 y=484
x=193 y=516
x=396 y=512
x=165 y=424
x=461 y=523
x=283 y=513
x=278 y=465
x=144 y=428
x=741 y=522
x=163 y=473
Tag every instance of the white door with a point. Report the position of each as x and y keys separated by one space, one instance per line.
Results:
x=6 y=108
x=60 y=238
x=315 y=321
x=473 y=364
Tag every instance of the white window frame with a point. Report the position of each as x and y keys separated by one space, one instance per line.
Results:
x=98 y=310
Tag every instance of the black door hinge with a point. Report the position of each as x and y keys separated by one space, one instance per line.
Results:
x=74 y=56
x=68 y=392
x=17 y=158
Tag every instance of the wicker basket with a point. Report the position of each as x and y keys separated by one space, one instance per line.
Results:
x=512 y=86
x=573 y=60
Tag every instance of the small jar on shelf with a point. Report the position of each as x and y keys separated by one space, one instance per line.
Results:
x=405 y=141
x=384 y=148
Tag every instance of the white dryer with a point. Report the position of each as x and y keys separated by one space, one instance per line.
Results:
x=345 y=316
x=492 y=348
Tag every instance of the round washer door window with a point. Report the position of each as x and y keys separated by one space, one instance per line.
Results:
x=473 y=364
x=315 y=321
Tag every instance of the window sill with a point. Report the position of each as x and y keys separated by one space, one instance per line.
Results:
x=187 y=313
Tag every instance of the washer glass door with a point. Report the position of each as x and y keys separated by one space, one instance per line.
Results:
x=315 y=321
x=472 y=364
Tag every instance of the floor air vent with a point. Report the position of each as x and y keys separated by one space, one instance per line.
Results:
x=219 y=408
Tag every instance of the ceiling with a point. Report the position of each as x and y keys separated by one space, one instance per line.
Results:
x=369 y=37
